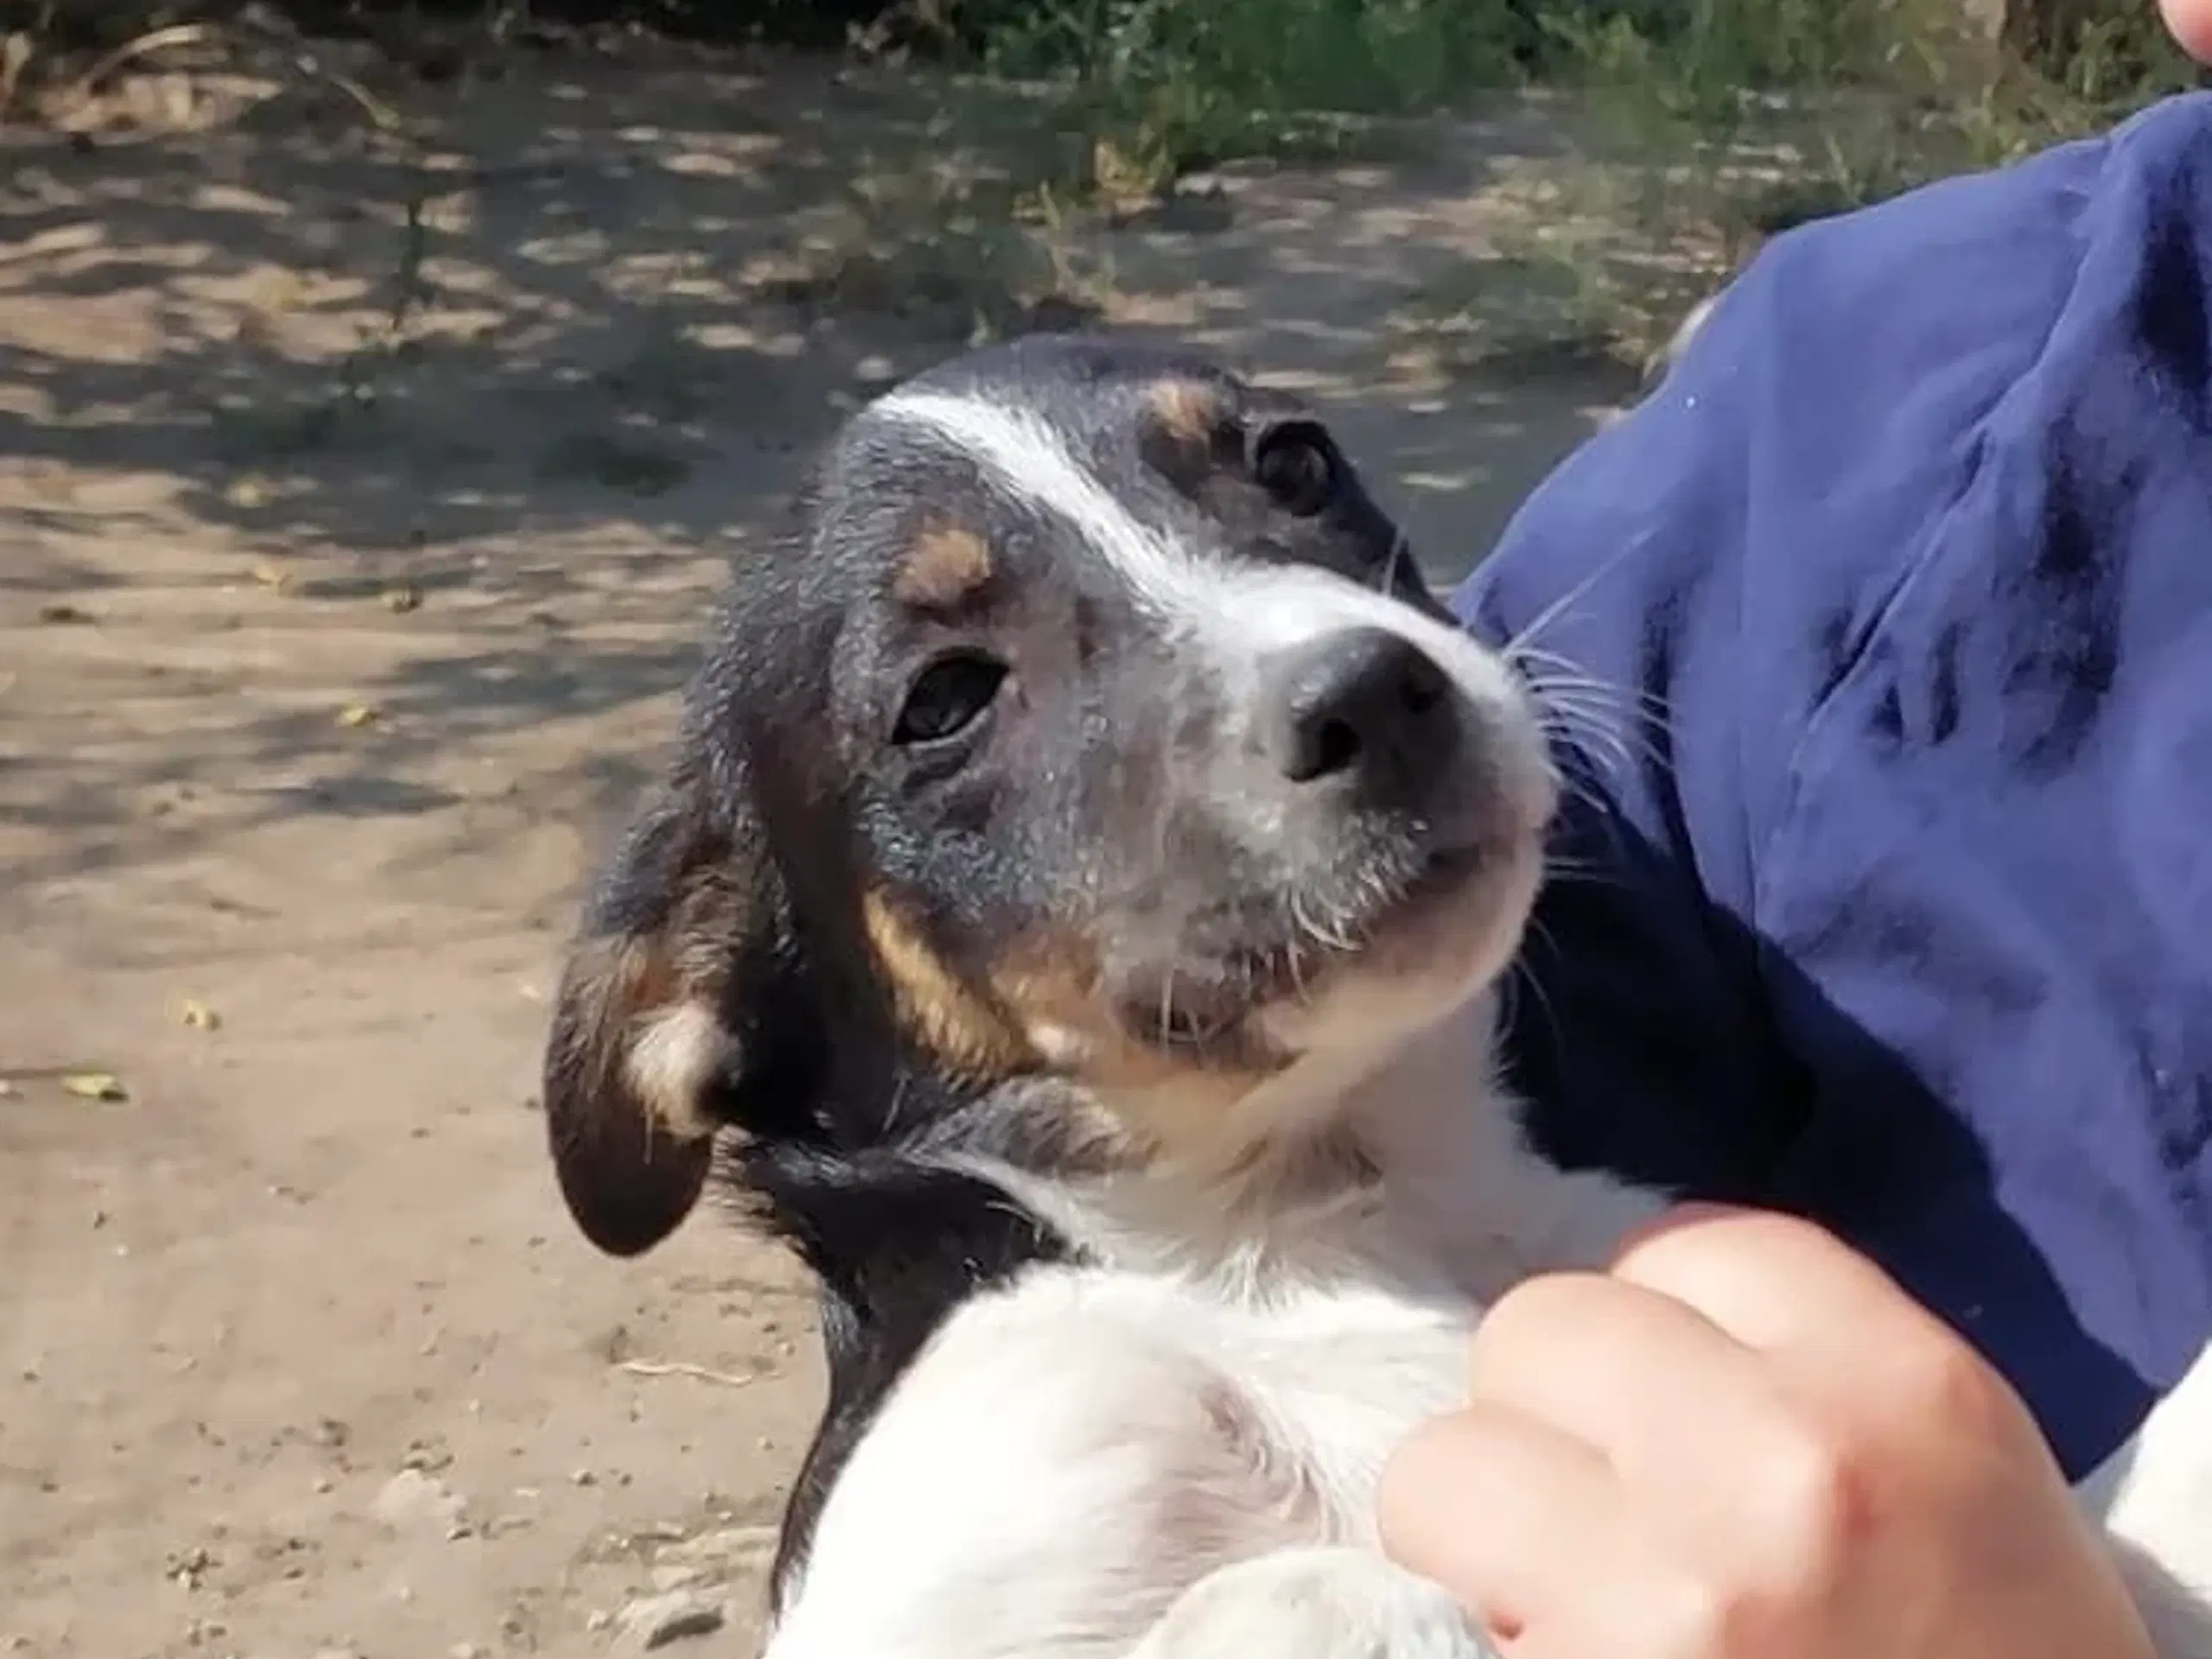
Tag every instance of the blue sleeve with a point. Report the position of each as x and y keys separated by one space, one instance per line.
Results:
x=1887 y=892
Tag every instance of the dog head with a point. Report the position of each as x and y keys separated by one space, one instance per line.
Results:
x=1094 y=725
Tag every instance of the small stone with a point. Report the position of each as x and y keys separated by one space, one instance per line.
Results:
x=655 y=1621
x=411 y=1499
x=187 y=1566
x=598 y=1620
x=726 y=1549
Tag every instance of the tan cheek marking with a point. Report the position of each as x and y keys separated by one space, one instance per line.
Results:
x=936 y=1009
x=946 y=566
x=1050 y=989
x=1186 y=1114
x=1042 y=1010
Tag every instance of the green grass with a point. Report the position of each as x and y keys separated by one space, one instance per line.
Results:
x=1176 y=84
x=1765 y=114
x=1706 y=125
x=1168 y=85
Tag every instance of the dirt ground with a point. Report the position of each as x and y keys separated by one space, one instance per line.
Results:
x=353 y=553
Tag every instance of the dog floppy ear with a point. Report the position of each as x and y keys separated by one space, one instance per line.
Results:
x=658 y=1025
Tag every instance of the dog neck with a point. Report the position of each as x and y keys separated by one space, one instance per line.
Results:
x=1405 y=1166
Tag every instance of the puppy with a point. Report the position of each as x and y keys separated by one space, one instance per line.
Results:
x=1074 y=910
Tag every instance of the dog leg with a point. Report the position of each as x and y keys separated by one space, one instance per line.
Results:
x=1318 y=1603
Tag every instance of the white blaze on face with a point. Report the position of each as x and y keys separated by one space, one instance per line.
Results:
x=1240 y=615
x=1025 y=458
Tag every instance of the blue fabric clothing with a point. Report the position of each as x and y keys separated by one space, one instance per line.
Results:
x=1900 y=913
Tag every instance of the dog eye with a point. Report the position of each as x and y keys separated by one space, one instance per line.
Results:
x=947 y=696
x=1294 y=465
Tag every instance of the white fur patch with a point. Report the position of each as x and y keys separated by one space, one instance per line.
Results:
x=2154 y=1497
x=1070 y=1456
x=1027 y=457
x=673 y=1056
x=1264 y=609
x=1317 y=1602
x=1179 y=1448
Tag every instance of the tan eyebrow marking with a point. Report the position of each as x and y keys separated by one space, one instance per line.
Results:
x=944 y=567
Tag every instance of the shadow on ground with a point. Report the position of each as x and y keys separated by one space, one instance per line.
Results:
x=439 y=426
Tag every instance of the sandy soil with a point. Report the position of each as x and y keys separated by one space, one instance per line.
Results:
x=352 y=557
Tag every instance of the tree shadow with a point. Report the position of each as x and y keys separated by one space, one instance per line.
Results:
x=454 y=422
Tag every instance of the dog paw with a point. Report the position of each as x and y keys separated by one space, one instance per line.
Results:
x=1314 y=1604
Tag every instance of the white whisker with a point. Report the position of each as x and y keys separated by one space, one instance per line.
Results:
x=1528 y=635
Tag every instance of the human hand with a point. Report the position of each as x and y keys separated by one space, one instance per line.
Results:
x=1745 y=1442
x=2190 y=23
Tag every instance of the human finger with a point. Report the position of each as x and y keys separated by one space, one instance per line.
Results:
x=1782 y=1285
x=1632 y=1371
x=2190 y=24
x=1532 y=1531
x=1515 y=1517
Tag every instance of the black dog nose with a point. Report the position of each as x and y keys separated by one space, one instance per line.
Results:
x=1364 y=705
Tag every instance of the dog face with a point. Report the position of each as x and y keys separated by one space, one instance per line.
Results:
x=1096 y=725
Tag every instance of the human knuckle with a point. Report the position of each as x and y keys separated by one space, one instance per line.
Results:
x=1700 y=1616
x=1684 y=1617
x=1533 y=1306
x=1542 y=1293
x=1816 y=1479
x=1945 y=1386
